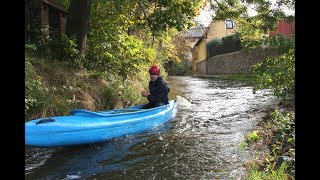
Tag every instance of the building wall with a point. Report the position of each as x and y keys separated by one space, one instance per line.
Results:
x=218 y=30
x=239 y=62
x=199 y=54
x=283 y=27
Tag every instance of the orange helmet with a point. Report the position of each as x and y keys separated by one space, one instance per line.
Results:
x=154 y=70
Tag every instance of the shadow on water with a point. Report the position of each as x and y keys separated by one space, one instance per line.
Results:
x=201 y=142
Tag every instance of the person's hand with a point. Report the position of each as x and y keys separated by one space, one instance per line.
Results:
x=144 y=93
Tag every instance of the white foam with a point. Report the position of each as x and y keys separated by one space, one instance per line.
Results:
x=183 y=102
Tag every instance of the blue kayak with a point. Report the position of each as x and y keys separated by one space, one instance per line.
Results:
x=87 y=127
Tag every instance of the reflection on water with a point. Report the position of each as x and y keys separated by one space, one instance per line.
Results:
x=201 y=142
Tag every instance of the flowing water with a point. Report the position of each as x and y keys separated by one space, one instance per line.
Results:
x=203 y=141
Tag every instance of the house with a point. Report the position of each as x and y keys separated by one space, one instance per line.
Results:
x=216 y=30
x=194 y=35
x=51 y=17
x=211 y=57
x=284 y=27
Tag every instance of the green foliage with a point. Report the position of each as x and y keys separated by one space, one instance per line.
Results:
x=253 y=137
x=232 y=37
x=167 y=47
x=34 y=89
x=177 y=68
x=285 y=136
x=112 y=21
x=182 y=68
x=215 y=42
x=30 y=47
x=65 y=49
x=279 y=136
x=111 y=48
x=271 y=173
x=32 y=31
x=125 y=57
x=66 y=3
x=250 y=34
x=119 y=91
x=170 y=14
x=243 y=145
x=249 y=77
x=283 y=43
x=110 y=95
x=277 y=73
x=42 y=99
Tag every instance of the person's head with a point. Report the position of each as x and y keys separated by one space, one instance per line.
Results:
x=154 y=72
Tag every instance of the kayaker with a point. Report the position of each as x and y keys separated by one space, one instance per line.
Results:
x=158 y=89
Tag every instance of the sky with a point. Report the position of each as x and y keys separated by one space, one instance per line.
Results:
x=204 y=18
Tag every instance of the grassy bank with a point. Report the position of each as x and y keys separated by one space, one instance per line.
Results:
x=54 y=88
x=274 y=145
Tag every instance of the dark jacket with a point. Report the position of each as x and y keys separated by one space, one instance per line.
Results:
x=159 y=91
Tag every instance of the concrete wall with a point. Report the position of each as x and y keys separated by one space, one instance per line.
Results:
x=238 y=62
x=201 y=67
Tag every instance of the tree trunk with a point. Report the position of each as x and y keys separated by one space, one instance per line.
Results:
x=78 y=22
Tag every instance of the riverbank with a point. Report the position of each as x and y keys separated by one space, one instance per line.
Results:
x=274 y=144
x=53 y=87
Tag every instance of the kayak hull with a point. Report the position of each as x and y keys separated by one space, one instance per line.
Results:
x=87 y=127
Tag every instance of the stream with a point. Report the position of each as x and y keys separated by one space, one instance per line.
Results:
x=203 y=141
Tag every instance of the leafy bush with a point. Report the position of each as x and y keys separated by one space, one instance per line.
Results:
x=277 y=73
x=227 y=44
x=33 y=89
x=215 y=42
x=177 y=68
x=119 y=91
x=65 y=49
x=285 y=136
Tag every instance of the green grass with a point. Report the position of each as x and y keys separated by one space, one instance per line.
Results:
x=271 y=173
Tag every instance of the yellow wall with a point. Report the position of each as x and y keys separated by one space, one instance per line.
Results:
x=219 y=30
x=199 y=54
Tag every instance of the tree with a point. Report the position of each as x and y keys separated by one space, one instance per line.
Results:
x=275 y=72
x=78 y=22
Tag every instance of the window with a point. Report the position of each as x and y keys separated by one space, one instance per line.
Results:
x=229 y=24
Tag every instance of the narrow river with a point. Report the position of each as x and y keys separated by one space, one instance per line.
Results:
x=201 y=142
